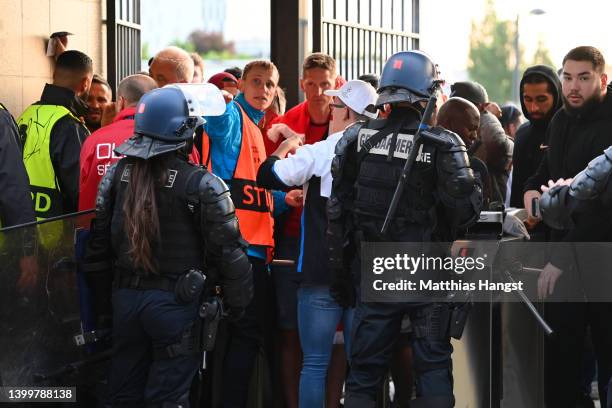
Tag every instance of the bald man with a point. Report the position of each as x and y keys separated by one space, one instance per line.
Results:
x=97 y=153
x=172 y=65
x=463 y=117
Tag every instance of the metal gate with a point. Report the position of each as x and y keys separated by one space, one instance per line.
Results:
x=362 y=34
x=123 y=39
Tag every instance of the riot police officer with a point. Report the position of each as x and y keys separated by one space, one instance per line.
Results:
x=585 y=202
x=441 y=195
x=161 y=226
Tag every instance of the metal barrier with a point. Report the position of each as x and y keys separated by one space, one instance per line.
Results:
x=123 y=39
x=362 y=34
x=45 y=308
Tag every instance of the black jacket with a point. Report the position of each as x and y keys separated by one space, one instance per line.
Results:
x=529 y=141
x=573 y=142
x=15 y=200
x=67 y=136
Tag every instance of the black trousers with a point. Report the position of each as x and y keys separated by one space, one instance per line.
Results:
x=144 y=321
x=254 y=330
x=375 y=330
x=563 y=351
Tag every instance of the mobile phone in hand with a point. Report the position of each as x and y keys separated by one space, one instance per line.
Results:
x=535 y=207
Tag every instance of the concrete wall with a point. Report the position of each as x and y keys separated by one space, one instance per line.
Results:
x=25 y=26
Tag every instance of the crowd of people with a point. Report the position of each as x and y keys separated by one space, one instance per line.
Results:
x=273 y=205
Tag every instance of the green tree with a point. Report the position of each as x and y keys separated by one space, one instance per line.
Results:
x=542 y=55
x=491 y=55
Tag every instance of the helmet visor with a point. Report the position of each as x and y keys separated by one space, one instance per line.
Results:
x=202 y=99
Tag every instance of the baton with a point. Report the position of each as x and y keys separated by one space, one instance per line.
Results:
x=534 y=312
x=282 y=262
x=399 y=189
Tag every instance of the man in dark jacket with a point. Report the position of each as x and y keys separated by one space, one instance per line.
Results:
x=540 y=100
x=52 y=131
x=15 y=206
x=493 y=146
x=577 y=133
x=15 y=200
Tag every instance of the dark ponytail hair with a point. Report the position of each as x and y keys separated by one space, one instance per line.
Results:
x=140 y=210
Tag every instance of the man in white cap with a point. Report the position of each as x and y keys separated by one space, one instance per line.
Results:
x=354 y=101
x=310 y=166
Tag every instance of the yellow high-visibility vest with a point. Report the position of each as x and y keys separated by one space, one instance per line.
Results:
x=38 y=121
x=36 y=124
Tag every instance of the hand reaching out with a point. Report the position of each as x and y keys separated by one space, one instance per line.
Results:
x=280 y=129
x=559 y=182
x=295 y=198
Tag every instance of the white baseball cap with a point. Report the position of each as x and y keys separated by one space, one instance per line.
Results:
x=357 y=95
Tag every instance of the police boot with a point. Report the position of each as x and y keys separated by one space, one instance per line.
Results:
x=358 y=401
x=433 y=402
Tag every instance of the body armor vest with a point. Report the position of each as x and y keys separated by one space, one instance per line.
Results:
x=378 y=175
x=180 y=245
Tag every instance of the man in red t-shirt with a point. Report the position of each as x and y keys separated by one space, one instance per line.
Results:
x=97 y=153
x=311 y=119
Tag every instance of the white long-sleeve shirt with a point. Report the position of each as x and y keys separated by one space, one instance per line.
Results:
x=309 y=161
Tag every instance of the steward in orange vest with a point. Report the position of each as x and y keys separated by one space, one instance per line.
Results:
x=233 y=148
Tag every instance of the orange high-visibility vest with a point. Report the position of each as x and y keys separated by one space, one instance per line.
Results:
x=254 y=204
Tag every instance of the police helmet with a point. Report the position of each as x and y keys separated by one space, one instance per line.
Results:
x=408 y=76
x=166 y=118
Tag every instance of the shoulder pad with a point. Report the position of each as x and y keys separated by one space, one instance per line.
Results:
x=445 y=133
x=446 y=136
x=211 y=187
x=217 y=212
x=590 y=182
x=376 y=123
x=104 y=192
x=348 y=137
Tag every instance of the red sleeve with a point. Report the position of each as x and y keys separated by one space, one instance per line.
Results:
x=85 y=159
x=296 y=118
x=194 y=157
x=270 y=145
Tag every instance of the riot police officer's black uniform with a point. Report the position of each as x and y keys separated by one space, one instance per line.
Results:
x=585 y=204
x=154 y=314
x=441 y=195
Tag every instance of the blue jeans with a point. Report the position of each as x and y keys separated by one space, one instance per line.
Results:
x=318 y=317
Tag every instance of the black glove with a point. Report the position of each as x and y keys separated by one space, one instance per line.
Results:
x=343 y=292
x=555 y=209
